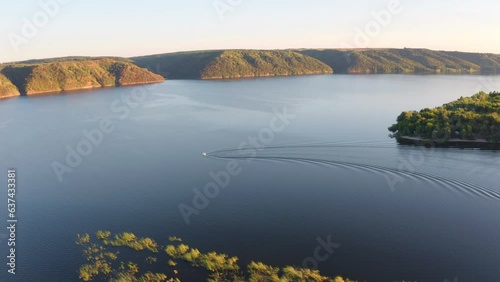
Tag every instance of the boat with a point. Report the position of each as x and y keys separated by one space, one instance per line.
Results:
x=204 y=154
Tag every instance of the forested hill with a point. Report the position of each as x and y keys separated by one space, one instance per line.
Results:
x=223 y=64
x=405 y=61
x=64 y=74
x=470 y=118
x=72 y=73
x=232 y=64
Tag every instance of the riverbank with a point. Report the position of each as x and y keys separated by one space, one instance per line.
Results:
x=450 y=143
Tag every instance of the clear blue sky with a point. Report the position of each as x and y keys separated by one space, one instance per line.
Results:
x=132 y=27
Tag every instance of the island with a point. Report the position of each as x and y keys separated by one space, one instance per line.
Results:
x=67 y=74
x=469 y=122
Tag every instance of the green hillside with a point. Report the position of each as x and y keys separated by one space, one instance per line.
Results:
x=7 y=88
x=183 y=65
x=405 y=61
x=253 y=63
x=232 y=64
x=73 y=75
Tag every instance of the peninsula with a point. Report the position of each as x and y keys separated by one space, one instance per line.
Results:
x=407 y=60
x=226 y=64
x=66 y=74
x=472 y=122
x=229 y=64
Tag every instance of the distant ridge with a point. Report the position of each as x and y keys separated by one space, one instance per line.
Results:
x=217 y=64
x=227 y=64
x=73 y=73
x=405 y=61
x=66 y=59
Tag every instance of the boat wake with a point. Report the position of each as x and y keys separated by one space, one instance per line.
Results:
x=337 y=155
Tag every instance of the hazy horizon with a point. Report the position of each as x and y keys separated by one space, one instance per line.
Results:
x=59 y=28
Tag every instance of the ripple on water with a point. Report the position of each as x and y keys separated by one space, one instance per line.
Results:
x=355 y=156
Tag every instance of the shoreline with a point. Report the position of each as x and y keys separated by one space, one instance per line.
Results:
x=482 y=144
x=82 y=89
x=237 y=77
x=266 y=75
x=10 y=96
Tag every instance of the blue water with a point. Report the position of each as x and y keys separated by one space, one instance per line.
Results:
x=327 y=170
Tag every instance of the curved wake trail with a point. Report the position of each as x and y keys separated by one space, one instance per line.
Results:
x=449 y=183
x=348 y=144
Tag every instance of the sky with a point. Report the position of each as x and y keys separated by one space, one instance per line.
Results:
x=34 y=29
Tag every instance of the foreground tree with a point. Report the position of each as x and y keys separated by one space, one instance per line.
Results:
x=104 y=265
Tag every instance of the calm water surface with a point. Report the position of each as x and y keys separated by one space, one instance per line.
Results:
x=397 y=212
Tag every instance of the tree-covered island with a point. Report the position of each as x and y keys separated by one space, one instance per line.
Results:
x=472 y=122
